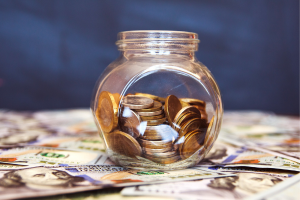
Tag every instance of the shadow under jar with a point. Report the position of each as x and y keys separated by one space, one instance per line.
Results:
x=157 y=106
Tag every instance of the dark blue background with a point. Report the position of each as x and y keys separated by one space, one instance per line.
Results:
x=52 y=52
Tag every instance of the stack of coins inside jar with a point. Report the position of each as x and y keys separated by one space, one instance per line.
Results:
x=162 y=130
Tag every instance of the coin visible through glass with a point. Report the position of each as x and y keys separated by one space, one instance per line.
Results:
x=144 y=118
x=137 y=102
x=157 y=112
x=172 y=107
x=192 y=144
x=130 y=122
x=124 y=144
x=156 y=106
x=107 y=111
x=157 y=98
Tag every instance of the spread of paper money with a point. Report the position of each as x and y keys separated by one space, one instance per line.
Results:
x=53 y=154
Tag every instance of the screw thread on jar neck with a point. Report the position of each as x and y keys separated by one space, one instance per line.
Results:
x=158 y=42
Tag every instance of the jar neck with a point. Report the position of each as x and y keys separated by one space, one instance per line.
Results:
x=158 y=43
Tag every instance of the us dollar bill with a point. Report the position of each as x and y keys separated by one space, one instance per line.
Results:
x=47 y=181
x=225 y=154
x=50 y=156
x=243 y=185
x=85 y=143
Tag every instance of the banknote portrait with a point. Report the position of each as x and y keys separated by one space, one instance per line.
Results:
x=216 y=153
x=245 y=183
x=39 y=178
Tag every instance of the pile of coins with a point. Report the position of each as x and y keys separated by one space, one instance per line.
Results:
x=163 y=130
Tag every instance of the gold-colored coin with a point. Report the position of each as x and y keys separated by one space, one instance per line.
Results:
x=160 y=127
x=123 y=143
x=117 y=97
x=155 y=144
x=184 y=104
x=186 y=110
x=157 y=112
x=166 y=134
x=172 y=107
x=155 y=122
x=137 y=102
x=107 y=111
x=185 y=118
x=190 y=125
x=130 y=122
x=157 y=98
x=199 y=107
x=156 y=106
x=209 y=136
x=193 y=101
x=182 y=139
x=192 y=144
x=144 y=118
x=204 y=115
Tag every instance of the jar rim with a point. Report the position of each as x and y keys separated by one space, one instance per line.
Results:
x=146 y=35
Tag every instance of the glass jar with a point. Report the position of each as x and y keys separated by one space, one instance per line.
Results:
x=157 y=106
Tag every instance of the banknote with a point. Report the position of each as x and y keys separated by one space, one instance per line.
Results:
x=290 y=152
x=239 y=187
x=273 y=172
x=224 y=154
x=50 y=156
x=105 y=194
x=86 y=143
x=262 y=136
x=19 y=129
x=76 y=121
x=287 y=190
x=46 y=181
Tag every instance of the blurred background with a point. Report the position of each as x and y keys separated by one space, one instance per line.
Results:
x=52 y=52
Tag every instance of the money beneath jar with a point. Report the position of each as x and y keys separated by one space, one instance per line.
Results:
x=162 y=130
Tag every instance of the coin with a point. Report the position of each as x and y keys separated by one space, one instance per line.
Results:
x=184 y=118
x=172 y=107
x=137 y=102
x=130 y=122
x=157 y=98
x=124 y=144
x=179 y=143
x=193 y=101
x=157 y=106
x=185 y=110
x=153 y=117
x=155 y=144
x=184 y=104
x=160 y=127
x=192 y=144
x=117 y=97
x=106 y=112
x=190 y=125
x=158 y=112
x=167 y=134
x=209 y=136
x=203 y=115
x=155 y=122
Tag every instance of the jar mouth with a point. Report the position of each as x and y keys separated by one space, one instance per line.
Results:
x=157 y=39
